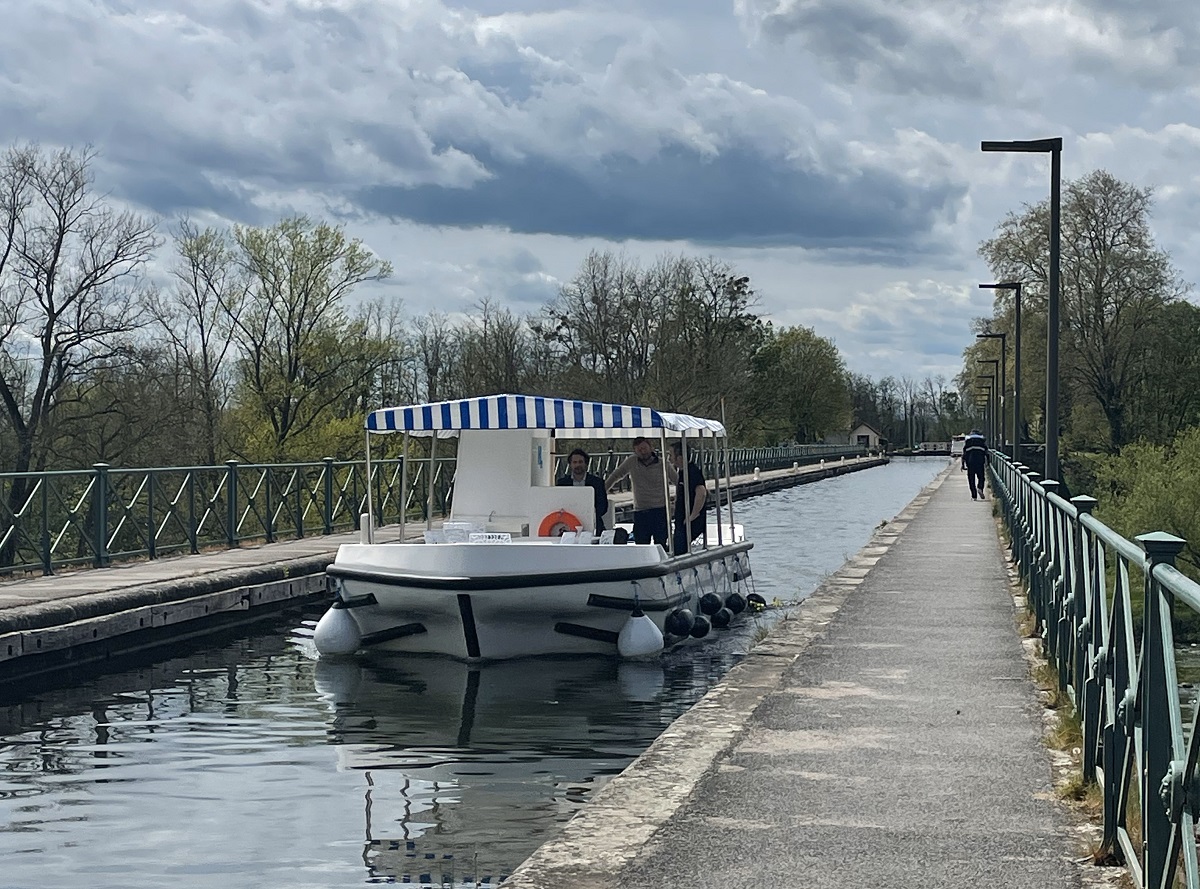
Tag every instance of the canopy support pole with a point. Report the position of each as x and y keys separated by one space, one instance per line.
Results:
x=370 y=501
x=728 y=475
x=429 y=501
x=403 y=485
x=662 y=436
x=717 y=487
x=686 y=484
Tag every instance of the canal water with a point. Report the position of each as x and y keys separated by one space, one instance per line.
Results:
x=242 y=761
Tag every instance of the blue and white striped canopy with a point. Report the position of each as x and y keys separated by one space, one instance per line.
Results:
x=575 y=419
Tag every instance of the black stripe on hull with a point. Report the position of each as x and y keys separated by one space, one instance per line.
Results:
x=621 y=603
x=470 y=632
x=392 y=633
x=593 y=633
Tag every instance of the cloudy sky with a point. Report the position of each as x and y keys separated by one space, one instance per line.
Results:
x=829 y=149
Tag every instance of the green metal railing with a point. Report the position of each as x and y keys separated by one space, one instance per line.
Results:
x=53 y=520
x=64 y=519
x=1107 y=609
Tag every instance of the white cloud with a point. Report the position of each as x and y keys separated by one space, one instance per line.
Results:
x=829 y=148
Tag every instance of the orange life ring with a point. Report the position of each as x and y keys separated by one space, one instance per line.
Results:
x=557 y=522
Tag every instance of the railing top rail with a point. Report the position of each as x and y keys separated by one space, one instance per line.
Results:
x=1061 y=503
x=1122 y=546
x=1182 y=587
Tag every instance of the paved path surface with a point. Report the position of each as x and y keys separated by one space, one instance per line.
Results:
x=888 y=736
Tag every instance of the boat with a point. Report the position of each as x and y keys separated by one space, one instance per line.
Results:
x=517 y=569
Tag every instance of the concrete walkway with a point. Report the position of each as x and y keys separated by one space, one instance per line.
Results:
x=886 y=736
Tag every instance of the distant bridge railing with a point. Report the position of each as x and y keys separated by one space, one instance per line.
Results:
x=1107 y=610
x=93 y=517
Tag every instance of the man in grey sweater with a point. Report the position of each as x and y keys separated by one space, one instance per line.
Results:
x=645 y=469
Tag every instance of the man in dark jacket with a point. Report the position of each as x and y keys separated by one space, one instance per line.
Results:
x=974 y=459
x=691 y=497
x=579 y=476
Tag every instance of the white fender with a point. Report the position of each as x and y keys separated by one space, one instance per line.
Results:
x=337 y=633
x=639 y=637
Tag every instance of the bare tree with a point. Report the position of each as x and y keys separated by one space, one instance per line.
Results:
x=197 y=317
x=71 y=291
x=436 y=355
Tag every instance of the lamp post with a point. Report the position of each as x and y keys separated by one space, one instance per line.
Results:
x=1015 y=287
x=1003 y=379
x=989 y=416
x=1053 y=147
x=997 y=391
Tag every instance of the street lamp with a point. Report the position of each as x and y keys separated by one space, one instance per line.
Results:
x=1015 y=287
x=988 y=416
x=1003 y=337
x=1053 y=147
x=997 y=395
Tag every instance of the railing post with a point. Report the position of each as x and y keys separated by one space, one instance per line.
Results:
x=297 y=476
x=47 y=554
x=1089 y=686
x=193 y=533
x=231 y=510
x=151 y=529
x=100 y=512
x=327 y=512
x=1034 y=552
x=1157 y=690
x=269 y=512
x=1062 y=607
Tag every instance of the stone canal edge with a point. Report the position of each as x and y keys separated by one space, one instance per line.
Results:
x=613 y=829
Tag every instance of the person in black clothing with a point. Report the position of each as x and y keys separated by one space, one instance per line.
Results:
x=697 y=498
x=579 y=476
x=974 y=458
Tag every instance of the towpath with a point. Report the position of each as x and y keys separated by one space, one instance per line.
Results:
x=887 y=735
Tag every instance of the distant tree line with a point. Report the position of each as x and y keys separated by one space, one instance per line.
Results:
x=127 y=342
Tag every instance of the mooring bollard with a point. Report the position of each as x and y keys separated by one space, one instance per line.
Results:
x=756 y=473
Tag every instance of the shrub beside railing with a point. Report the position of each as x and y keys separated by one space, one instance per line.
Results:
x=1106 y=609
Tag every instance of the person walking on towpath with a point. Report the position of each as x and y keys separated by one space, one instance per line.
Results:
x=974 y=458
x=645 y=470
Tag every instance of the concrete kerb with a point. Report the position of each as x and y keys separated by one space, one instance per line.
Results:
x=617 y=824
x=52 y=613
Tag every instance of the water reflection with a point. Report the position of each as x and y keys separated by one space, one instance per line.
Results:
x=241 y=761
x=467 y=769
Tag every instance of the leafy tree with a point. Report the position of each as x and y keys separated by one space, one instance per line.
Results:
x=1168 y=399
x=301 y=353
x=1114 y=281
x=1150 y=487
x=801 y=388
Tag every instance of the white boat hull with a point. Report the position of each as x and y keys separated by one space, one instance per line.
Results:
x=505 y=600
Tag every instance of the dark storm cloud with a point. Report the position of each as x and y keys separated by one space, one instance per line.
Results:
x=888 y=45
x=737 y=198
